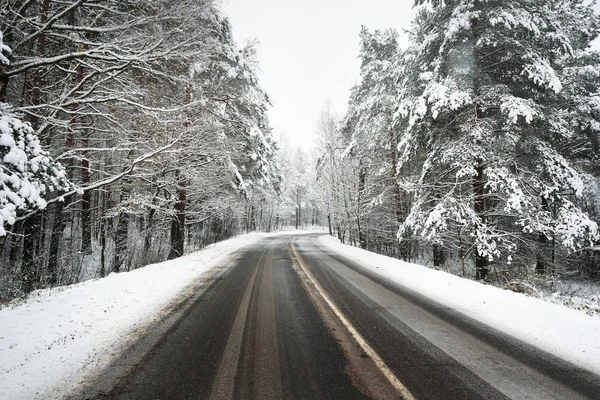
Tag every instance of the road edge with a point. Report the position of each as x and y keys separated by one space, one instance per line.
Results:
x=358 y=338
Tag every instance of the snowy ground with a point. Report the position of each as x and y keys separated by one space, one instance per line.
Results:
x=578 y=294
x=570 y=334
x=57 y=338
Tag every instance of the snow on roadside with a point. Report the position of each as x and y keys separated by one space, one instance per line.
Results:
x=569 y=334
x=56 y=337
x=576 y=294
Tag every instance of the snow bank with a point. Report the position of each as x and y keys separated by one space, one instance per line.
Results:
x=57 y=337
x=566 y=333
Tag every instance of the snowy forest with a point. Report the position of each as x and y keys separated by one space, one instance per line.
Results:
x=476 y=148
x=131 y=132
x=136 y=131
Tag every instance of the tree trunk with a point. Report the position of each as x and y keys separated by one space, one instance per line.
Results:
x=178 y=221
x=102 y=234
x=398 y=206
x=3 y=83
x=362 y=175
x=15 y=243
x=86 y=223
x=481 y=262
x=438 y=255
x=121 y=233
x=540 y=266
x=148 y=233
x=297 y=221
x=30 y=269
x=58 y=227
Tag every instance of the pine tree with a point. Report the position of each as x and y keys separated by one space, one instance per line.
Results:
x=487 y=110
x=373 y=134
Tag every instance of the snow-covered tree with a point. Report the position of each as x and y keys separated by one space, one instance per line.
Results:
x=155 y=113
x=374 y=133
x=336 y=177
x=487 y=108
x=27 y=172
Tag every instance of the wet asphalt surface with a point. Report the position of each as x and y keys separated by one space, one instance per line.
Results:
x=260 y=331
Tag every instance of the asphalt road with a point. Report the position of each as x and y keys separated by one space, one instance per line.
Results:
x=287 y=319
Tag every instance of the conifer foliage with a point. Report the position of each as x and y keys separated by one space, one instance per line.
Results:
x=492 y=115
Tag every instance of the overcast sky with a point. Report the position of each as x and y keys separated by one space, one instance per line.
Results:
x=308 y=52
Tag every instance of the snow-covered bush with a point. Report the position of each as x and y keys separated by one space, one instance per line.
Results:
x=27 y=173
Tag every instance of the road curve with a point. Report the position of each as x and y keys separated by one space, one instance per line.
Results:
x=265 y=327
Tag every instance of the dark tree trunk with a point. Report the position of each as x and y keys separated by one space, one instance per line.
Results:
x=30 y=269
x=102 y=234
x=439 y=256
x=178 y=222
x=102 y=241
x=148 y=233
x=403 y=247
x=481 y=262
x=149 y=225
x=121 y=234
x=58 y=227
x=38 y=77
x=251 y=218
x=393 y=175
x=121 y=231
x=362 y=176
x=540 y=266
x=3 y=83
x=15 y=243
x=270 y=222
x=86 y=223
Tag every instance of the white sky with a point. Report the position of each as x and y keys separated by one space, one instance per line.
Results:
x=308 y=52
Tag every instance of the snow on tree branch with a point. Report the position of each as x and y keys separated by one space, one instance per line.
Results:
x=27 y=173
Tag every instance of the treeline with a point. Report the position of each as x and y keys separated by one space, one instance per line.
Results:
x=476 y=147
x=154 y=131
